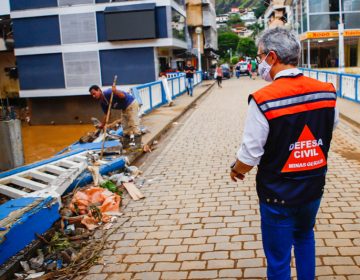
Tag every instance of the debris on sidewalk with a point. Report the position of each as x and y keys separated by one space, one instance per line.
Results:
x=133 y=191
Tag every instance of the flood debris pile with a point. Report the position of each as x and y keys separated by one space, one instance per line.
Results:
x=114 y=131
x=88 y=216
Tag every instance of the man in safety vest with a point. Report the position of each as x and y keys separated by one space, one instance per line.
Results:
x=287 y=134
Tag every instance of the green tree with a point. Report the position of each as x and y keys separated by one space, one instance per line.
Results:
x=247 y=47
x=227 y=41
x=234 y=60
x=256 y=28
x=260 y=10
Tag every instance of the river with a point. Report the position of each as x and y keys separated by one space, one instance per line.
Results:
x=43 y=141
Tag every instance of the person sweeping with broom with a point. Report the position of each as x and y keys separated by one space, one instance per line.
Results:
x=123 y=101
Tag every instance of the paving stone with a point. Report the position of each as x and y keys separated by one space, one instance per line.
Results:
x=96 y=276
x=215 y=255
x=174 y=275
x=188 y=256
x=114 y=267
x=219 y=264
x=237 y=273
x=193 y=265
x=203 y=274
x=120 y=276
x=147 y=276
x=167 y=266
x=140 y=267
x=163 y=257
x=137 y=258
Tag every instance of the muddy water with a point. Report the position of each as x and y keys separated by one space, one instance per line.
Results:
x=43 y=141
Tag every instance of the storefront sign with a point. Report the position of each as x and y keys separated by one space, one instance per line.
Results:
x=327 y=34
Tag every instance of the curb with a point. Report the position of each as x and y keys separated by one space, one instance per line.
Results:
x=349 y=120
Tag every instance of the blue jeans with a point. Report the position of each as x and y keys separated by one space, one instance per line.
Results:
x=190 y=86
x=284 y=227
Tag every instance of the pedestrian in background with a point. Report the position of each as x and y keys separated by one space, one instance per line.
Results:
x=249 y=68
x=237 y=70
x=189 y=71
x=219 y=75
x=253 y=69
x=287 y=134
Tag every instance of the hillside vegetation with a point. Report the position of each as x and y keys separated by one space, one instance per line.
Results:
x=223 y=6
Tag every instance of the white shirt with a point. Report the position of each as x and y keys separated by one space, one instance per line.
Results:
x=256 y=128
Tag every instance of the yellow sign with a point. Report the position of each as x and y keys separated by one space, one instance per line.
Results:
x=327 y=34
x=351 y=33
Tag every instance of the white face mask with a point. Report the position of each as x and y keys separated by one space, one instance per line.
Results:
x=264 y=70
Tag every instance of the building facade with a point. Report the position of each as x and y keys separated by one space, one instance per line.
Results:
x=64 y=46
x=316 y=22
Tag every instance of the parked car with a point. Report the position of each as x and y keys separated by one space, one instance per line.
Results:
x=226 y=71
x=244 y=68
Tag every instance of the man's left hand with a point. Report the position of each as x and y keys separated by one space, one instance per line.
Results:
x=236 y=176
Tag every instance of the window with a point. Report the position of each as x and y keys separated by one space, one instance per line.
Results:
x=323 y=6
x=74 y=2
x=178 y=25
x=81 y=69
x=78 y=28
x=352 y=20
x=324 y=22
x=130 y=22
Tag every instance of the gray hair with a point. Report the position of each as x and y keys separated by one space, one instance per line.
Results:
x=285 y=43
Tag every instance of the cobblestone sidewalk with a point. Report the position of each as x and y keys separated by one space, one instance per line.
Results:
x=197 y=224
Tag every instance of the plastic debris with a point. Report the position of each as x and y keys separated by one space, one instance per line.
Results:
x=120 y=178
x=133 y=170
x=37 y=262
x=35 y=275
x=111 y=187
x=85 y=202
x=25 y=265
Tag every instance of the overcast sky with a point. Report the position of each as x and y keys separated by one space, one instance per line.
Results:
x=4 y=7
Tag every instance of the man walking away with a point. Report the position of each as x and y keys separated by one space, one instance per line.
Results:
x=237 y=70
x=128 y=106
x=287 y=134
x=219 y=75
x=189 y=70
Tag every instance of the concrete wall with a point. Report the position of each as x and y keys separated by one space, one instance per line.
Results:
x=65 y=110
x=11 y=149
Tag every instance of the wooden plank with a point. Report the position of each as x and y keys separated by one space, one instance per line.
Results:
x=54 y=169
x=67 y=163
x=133 y=191
x=42 y=176
x=11 y=192
x=26 y=183
x=78 y=158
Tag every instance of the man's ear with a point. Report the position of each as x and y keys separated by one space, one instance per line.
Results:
x=274 y=57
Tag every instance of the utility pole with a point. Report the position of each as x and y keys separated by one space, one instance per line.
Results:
x=341 y=40
x=198 y=31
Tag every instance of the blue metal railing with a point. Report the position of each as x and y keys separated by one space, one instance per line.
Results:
x=346 y=85
x=153 y=95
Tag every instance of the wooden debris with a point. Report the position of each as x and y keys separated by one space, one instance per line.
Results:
x=133 y=191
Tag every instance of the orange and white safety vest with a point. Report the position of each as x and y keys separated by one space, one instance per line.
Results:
x=300 y=112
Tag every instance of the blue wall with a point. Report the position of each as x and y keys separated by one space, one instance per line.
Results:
x=43 y=71
x=36 y=31
x=161 y=23
x=31 y=4
x=133 y=66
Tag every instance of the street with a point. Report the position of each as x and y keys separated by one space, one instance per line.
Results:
x=195 y=223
